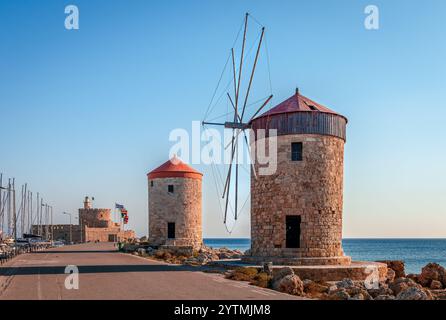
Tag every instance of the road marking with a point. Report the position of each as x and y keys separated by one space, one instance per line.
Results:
x=39 y=287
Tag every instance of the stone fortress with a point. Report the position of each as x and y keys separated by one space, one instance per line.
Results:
x=175 y=205
x=95 y=224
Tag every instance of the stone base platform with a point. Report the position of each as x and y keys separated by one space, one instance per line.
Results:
x=294 y=261
x=356 y=270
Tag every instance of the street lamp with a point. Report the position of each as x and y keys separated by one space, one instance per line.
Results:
x=71 y=231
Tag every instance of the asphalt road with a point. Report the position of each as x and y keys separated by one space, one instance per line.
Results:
x=105 y=273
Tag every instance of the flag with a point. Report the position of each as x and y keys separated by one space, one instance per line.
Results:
x=119 y=206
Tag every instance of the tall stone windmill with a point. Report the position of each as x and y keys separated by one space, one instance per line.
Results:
x=296 y=212
x=296 y=209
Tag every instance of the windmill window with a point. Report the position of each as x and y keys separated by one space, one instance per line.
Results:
x=170 y=188
x=151 y=183
x=296 y=151
x=312 y=107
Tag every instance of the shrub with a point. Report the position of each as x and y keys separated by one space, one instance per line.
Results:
x=262 y=279
x=243 y=274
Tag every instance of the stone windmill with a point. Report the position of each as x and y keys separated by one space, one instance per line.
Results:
x=296 y=211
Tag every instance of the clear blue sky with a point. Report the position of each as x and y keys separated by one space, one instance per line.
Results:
x=89 y=111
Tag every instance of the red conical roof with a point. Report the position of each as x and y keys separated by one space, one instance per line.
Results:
x=174 y=168
x=296 y=103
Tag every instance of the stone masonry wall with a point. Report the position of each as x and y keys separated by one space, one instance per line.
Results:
x=108 y=234
x=183 y=207
x=312 y=188
x=96 y=218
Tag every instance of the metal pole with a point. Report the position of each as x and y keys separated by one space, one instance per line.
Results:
x=52 y=226
x=37 y=213
x=8 y=217
x=14 y=209
x=1 y=205
x=71 y=231
x=40 y=217
x=30 y=201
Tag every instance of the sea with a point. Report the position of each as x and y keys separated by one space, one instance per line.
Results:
x=415 y=253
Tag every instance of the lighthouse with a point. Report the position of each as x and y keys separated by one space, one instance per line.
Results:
x=296 y=212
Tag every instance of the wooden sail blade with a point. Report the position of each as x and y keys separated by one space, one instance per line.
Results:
x=228 y=177
x=236 y=185
x=235 y=82
x=241 y=61
x=261 y=107
x=252 y=73
x=250 y=157
x=235 y=109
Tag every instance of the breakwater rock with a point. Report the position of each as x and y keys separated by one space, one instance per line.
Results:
x=182 y=255
x=428 y=285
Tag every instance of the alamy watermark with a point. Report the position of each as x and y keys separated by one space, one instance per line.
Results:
x=72 y=18
x=72 y=280
x=233 y=146
x=371 y=21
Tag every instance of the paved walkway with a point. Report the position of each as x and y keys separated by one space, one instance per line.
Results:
x=105 y=273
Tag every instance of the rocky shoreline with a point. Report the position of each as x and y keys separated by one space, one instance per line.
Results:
x=183 y=255
x=430 y=284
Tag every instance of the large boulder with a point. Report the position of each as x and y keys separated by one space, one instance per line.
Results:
x=439 y=294
x=383 y=290
x=413 y=293
x=358 y=296
x=402 y=284
x=414 y=277
x=280 y=273
x=436 y=285
x=385 y=297
x=291 y=284
x=359 y=293
x=431 y=272
x=397 y=266
x=391 y=274
x=345 y=284
x=314 y=289
x=340 y=294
